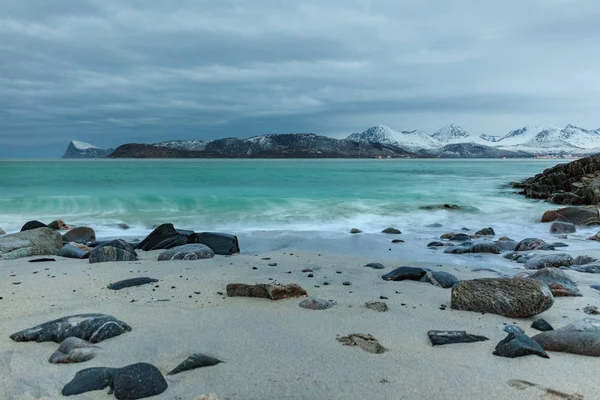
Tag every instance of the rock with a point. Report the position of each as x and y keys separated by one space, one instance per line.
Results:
x=510 y=297
x=91 y=327
x=405 y=273
x=33 y=225
x=82 y=234
x=587 y=268
x=397 y=241
x=165 y=236
x=223 y=244
x=119 y=244
x=519 y=257
x=2 y=232
x=314 y=303
x=440 y=279
x=131 y=282
x=434 y=225
x=485 y=247
x=558 y=282
x=447 y=235
x=33 y=242
x=541 y=325
x=379 y=306
x=109 y=254
x=581 y=260
x=355 y=230
x=460 y=237
x=134 y=381
x=375 y=266
x=266 y=291
x=194 y=361
x=531 y=244
x=486 y=232
x=586 y=216
x=391 y=231
x=42 y=260
x=595 y=287
x=581 y=337
x=591 y=310
x=70 y=251
x=435 y=244
x=365 y=341
x=73 y=350
x=462 y=248
x=506 y=245
x=518 y=345
x=123 y=226
x=59 y=225
x=559 y=244
x=439 y=338
x=562 y=227
x=513 y=329
x=187 y=252
x=549 y=261
x=441 y=207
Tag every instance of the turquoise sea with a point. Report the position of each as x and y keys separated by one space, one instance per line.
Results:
x=250 y=195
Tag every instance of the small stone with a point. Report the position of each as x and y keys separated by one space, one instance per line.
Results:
x=310 y=276
x=355 y=230
x=486 y=232
x=131 y=282
x=517 y=344
x=315 y=303
x=440 y=279
x=346 y=283
x=365 y=341
x=391 y=231
x=397 y=241
x=272 y=264
x=435 y=244
x=591 y=310
x=262 y=290
x=377 y=306
x=307 y=270
x=194 y=361
x=541 y=325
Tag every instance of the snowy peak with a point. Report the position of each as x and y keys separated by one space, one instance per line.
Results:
x=79 y=149
x=82 y=145
x=376 y=134
x=452 y=134
x=490 y=138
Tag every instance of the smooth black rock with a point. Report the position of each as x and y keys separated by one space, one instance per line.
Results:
x=542 y=325
x=486 y=232
x=440 y=279
x=197 y=360
x=375 y=266
x=435 y=244
x=164 y=236
x=70 y=251
x=109 y=254
x=518 y=345
x=91 y=327
x=33 y=225
x=562 y=227
x=89 y=379
x=405 y=273
x=82 y=234
x=439 y=338
x=36 y=260
x=391 y=231
x=221 y=243
x=131 y=282
x=460 y=237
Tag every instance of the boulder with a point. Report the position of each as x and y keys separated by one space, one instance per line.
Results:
x=59 y=225
x=34 y=242
x=405 y=273
x=223 y=244
x=581 y=260
x=558 y=227
x=391 y=231
x=440 y=279
x=110 y=254
x=549 y=261
x=486 y=232
x=559 y=283
x=355 y=230
x=73 y=350
x=194 y=251
x=518 y=344
x=33 y=225
x=581 y=337
x=531 y=244
x=165 y=236
x=266 y=291
x=510 y=297
x=586 y=216
x=71 y=251
x=82 y=234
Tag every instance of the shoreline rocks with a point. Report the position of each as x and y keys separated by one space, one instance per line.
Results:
x=265 y=291
x=195 y=251
x=33 y=242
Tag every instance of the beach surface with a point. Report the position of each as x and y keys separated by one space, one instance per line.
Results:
x=278 y=350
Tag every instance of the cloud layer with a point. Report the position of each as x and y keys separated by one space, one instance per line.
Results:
x=115 y=71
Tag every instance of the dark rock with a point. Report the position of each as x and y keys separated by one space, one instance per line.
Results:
x=541 y=325
x=33 y=225
x=587 y=268
x=581 y=260
x=375 y=266
x=580 y=337
x=194 y=361
x=506 y=245
x=73 y=350
x=33 y=242
x=513 y=329
x=42 y=260
x=165 y=236
x=531 y=244
x=440 y=279
x=82 y=234
x=549 y=261
x=119 y=244
x=586 y=216
x=365 y=341
x=591 y=310
x=109 y=254
x=486 y=232
x=134 y=381
x=441 y=207
x=447 y=235
x=263 y=290
x=510 y=297
x=221 y=243
x=439 y=338
x=314 y=303
x=558 y=282
x=562 y=227
x=434 y=225
x=187 y=252
x=405 y=273
x=462 y=248
x=485 y=247
x=70 y=251
x=519 y=257
x=595 y=287
x=460 y=237
x=397 y=241
x=559 y=244
x=517 y=344
x=91 y=327
x=59 y=225
x=391 y=231
x=355 y=230
x=379 y=306
x=131 y=282
x=435 y=244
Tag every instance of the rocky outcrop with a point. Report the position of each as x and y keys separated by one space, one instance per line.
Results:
x=575 y=183
x=34 y=242
x=587 y=215
x=78 y=149
x=510 y=297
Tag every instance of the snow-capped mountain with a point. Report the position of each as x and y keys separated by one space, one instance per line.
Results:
x=191 y=145
x=79 y=149
x=410 y=140
x=452 y=134
x=376 y=134
x=490 y=138
x=550 y=140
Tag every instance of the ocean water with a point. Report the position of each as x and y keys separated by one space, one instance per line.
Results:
x=242 y=196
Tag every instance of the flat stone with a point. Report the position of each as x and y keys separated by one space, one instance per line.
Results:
x=405 y=273
x=315 y=303
x=440 y=279
x=365 y=341
x=73 y=350
x=581 y=337
x=143 y=280
x=438 y=338
x=375 y=266
x=379 y=306
x=266 y=291
x=486 y=232
x=194 y=361
x=187 y=252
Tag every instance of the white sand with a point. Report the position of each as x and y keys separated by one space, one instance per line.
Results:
x=275 y=349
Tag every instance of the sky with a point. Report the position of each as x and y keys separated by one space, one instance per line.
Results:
x=110 y=72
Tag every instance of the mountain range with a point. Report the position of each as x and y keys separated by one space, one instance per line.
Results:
x=451 y=141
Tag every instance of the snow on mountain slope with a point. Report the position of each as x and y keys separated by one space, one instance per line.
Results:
x=522 y=135
x=82 y=145
x=417 y=139
x=376 y=134
x=191 y=145
x=455 y=134
x=411 y=140
x=490 y=138
x=580 y=137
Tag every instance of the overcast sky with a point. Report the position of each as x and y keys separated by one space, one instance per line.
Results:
x=110 y=72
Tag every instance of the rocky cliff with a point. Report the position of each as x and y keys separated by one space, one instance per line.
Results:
x=78 y=149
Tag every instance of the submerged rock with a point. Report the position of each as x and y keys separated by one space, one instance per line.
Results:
x=34 y=242
x=266 y=291
x=558 y=282
x=531 y=244
x=440 y=279
x=91 y=327
x=315 y=303
x=131 y=282
x=510 y=297
x=438 y=338
x=365 y=341
x=460 y=237
x=83 y=234
x=435 y=244
x=187 y=252
x=541 y=324
x=562 y=227
x=581 y=337
x=486 y=232
x=517 y=344
x=391 y=231
x=405 y=273
x=73 y=350
x=194 y=361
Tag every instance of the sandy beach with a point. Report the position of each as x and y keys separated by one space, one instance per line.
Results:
x=275 y=349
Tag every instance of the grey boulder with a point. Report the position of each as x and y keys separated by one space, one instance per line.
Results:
x=558 y=282
x=581 y=337
x=187 y=252
x=549 y=261
x=34 y=242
